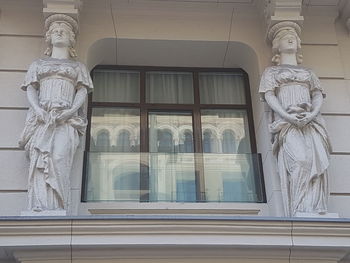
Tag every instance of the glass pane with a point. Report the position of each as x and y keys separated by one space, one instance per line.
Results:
x=170 y=132
x=115 y=130
x=232 y=178
x=172 y=177
x=221 y=88
x=171 y=170
x=113 y=176
x=116 y=86
x=225 y=131
x=169 y=87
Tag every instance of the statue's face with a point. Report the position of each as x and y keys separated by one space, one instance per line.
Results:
x=60 y=35
x=288 y=44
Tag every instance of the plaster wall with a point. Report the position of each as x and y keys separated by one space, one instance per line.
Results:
x=144 y=30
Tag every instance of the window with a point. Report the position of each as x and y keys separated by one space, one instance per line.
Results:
x=171 y=134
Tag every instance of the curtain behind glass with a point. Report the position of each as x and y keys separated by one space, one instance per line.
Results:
x=116 y=86
x=221 y=88
x=169 y=87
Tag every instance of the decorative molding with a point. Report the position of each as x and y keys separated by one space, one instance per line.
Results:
x=67 y=7
x=135 y=236
x=275 y=11
x=344 y=12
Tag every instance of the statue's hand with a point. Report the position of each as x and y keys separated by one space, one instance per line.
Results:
x=307 y=117
x=294 y=119
x=64 y=115
x=41 y=114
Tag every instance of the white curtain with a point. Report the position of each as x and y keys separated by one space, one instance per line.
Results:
x=116 y=86
x=221 y=88
x=169 y=87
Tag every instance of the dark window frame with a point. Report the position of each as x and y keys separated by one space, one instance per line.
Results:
x=195 y=108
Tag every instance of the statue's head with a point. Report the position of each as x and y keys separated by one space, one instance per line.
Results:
x=61 y=31
x=285 y=39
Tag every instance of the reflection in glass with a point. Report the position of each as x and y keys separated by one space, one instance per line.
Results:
x=113 y=176
x=225 y=131
x=170 y=132
x=171 y=176
x=116 y=176
x=169 y=87
x=230 y=178
x=115 y=130
x=221 y=88
x=116 y=86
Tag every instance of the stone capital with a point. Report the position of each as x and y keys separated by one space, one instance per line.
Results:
x=276 y=11
x=344 y=13
x=67 y=7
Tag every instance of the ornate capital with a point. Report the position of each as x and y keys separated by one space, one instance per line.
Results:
x=276 y=11
x=344 y=10
x=67 y=7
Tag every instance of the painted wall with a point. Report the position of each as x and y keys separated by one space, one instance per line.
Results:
x=174 y=34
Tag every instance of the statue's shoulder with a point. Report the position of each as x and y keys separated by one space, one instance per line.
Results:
x=270 y=71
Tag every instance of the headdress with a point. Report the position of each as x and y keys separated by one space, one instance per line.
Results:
x=61 y=18
x=284 y=26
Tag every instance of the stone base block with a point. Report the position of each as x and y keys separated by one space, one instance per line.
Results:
x=326 y=215
x=44 y=213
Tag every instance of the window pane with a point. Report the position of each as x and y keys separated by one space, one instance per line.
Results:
x=115 y=130
x=171 y=161
x=172 y=177
x=225 y=131
x=113 y=176
x=170 y=132
x=221 y=88
x=169 y=87
x=231 y=178
x=116 y=86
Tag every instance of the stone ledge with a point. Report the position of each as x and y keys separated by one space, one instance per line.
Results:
x=136 y=236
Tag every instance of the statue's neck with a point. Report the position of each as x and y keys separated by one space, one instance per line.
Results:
x=60 y=52
x=288 y=58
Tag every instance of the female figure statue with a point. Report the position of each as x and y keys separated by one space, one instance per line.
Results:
x=56 y=89
x=301 y=142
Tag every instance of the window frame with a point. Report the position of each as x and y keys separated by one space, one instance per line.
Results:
x=195 y=108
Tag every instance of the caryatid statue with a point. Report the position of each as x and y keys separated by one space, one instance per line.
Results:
x=301 y=143
x=56 y=86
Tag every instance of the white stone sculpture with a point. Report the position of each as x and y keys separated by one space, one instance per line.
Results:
x=56 y=90
x=301 y=143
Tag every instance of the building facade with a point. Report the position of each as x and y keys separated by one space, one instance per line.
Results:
x=176 y=165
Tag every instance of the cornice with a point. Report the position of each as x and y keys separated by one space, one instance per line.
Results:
x=171 y=236
x=67 y=7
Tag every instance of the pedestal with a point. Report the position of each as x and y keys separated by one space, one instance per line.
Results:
x=44 y=213
x=326 y=215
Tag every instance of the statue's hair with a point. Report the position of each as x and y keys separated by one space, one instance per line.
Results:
x=276 y=42
x=48 y=34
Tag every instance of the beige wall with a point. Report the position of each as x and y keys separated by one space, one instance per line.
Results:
x=174 y=34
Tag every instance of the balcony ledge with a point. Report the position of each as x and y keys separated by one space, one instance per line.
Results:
x=167 y=236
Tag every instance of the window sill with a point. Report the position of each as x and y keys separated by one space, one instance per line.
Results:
x=105 y=208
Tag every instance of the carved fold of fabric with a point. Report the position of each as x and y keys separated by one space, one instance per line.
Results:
x=303 y=158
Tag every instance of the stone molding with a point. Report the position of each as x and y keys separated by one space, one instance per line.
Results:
x=67 y=7
x=275 y=11
x=344 y=13
x=141 y=236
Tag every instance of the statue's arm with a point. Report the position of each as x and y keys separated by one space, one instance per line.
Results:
x=276 y=106
x=79 y=100
x=33 y=100
x=316 y=100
